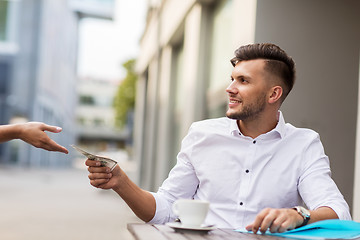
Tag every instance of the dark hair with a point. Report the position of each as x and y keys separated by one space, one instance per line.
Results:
x=277 y=61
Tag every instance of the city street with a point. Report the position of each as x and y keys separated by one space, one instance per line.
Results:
x=59 y=204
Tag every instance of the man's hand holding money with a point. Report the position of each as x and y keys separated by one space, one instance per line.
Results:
x=103 y=177
x=105 y=173
x=140 y=201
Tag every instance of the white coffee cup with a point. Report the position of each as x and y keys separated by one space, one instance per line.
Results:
x=192 y=213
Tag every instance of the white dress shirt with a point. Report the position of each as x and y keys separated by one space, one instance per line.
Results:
x=240 y=176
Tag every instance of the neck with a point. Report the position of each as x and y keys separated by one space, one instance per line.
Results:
x=261 y=124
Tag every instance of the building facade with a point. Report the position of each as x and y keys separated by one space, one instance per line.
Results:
x=184 y=69
x=41 y=39
x=38 y=67
x=95 y=116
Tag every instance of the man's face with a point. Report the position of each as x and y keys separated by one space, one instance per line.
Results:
x=248 y=90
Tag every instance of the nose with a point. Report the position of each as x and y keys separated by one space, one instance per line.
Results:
x=232 y=88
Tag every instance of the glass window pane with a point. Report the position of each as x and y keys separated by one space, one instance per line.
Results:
x=180 y=94
x=221 y=53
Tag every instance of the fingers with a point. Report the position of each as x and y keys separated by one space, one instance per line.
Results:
x=96 y=171
x=62 y=149
x=285 y=226
x=94 y=176
x=54 y=129
x=99 y=169
x=92 y=163
x=51 y=145
x=98 y=183
x=249 y=227
x=278 y=225
x=33 y=133
x=256 y=224
x=97 y=179
x=263 y=221
x=276 y=220
x=98 y=175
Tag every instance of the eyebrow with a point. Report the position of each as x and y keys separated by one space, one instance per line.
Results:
x=240 y=76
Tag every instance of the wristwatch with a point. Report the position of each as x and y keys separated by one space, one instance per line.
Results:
x=304 y=213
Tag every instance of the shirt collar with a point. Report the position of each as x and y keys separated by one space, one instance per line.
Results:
x=234 y=129
x=280 y=126
x=279 y=129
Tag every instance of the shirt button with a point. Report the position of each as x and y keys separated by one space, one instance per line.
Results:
x=247 y=171
x=241 y=203
x=254 y=141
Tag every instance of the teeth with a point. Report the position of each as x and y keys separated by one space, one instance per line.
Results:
x=234 y=101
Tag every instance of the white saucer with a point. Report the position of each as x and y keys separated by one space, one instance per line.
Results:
x=179 y=226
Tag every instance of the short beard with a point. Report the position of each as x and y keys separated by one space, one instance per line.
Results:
x=250 y=111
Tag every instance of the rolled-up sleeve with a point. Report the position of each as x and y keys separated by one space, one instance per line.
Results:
x=163 y=211
x=181 y=183
x=316 y=186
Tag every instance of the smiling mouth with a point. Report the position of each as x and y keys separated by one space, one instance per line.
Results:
x=234 y=101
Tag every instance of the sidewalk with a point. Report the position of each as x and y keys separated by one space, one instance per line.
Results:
x=59 y=204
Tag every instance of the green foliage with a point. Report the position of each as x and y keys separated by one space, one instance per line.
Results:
x=125 y=97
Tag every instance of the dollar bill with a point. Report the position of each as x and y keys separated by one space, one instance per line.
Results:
x=105 y=162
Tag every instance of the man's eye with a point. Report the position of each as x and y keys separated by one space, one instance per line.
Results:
x=231 y=79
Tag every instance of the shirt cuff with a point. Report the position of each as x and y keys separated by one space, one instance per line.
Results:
x=341 y=211
x=163 y=212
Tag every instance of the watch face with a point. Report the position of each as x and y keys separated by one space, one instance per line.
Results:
x=304 y=212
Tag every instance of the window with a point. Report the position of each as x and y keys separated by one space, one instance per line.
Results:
x=4 y=76
x=9 y=20
x=221 y=53
x=98 y=122
x=81 y=120
x=178 y=105
x=3 y=19
x=86 y=100
x=104 y=101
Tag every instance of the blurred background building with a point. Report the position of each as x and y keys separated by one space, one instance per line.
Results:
x=38 y=61
x=184 y=69
x=42 y=77
x=95 y=116
x=107 y=39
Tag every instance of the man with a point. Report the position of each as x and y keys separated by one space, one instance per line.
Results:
x=255 y=169
x=32 y=133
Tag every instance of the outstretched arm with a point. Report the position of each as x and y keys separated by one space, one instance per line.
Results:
x=32 y=133
x=140 y=201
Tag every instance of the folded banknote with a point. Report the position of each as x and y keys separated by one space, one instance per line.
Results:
x=105 y=162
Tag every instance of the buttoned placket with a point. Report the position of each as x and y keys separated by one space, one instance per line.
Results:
x=245 y=181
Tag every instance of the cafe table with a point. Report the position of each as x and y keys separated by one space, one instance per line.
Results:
x=144 y=231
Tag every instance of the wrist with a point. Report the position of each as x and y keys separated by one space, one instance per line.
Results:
x=304 y=214
x=17 y=130
x=121 y=183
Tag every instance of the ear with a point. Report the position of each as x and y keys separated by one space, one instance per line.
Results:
x=275 y=94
